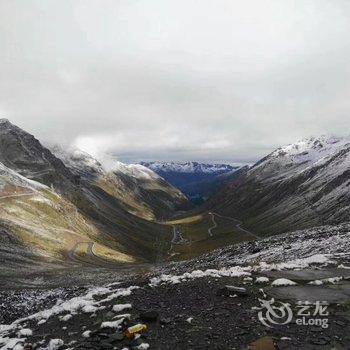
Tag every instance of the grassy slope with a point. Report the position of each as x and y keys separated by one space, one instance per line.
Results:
x=146 y=198
x=51 y=226
x=195 y=230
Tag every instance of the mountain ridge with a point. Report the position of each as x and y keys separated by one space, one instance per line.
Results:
x=190 y=167
x=294 y=187
x=196 y=180
x=37 y=188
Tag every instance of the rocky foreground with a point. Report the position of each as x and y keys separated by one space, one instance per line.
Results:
x=220 y=301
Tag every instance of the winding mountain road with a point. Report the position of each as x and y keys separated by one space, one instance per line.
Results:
x=238 y=225
x=95 y=259
x=177 y=239
x=17 y=195
x=215 y=224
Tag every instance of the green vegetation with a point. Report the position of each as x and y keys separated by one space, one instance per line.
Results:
x=197 y=240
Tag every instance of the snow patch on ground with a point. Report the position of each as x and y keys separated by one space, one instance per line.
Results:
x=81 y=304
x=241 y=271
x=10 y=343
x=262 y=279
x=331 y=280
x=86 y=334
x=235 y=271
x=112 y=324
x=296 y=263
x=121 y=307
x=283 y=282
x=55 y=344
x=26 y=332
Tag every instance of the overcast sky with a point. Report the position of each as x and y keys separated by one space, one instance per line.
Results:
x=219 y=80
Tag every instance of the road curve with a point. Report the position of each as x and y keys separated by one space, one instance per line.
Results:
x=95 y=259
x=238 y=226
x=215 y=225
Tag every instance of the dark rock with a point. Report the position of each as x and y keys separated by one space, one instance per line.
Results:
x=109 y=314
x=106 y=345
x=149 y=316
x=232 y=290
x=239 y=331
x=136 y=342
x=116 y=337
x=100 y=333
x=320 y=341
x=316 y=329
x=165 y=320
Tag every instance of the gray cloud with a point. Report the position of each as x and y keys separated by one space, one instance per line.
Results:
x=206 y=80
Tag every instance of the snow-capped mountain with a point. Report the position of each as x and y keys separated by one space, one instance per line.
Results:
x=300 y=185
x=140 y=190
x=85 y=165
x=190 y=176
x=302 y=155
x=136 y=170
x=24 y=154
x=189 y=167
x=80 y=162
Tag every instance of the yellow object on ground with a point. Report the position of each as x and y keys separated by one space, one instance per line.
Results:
x=132 y=331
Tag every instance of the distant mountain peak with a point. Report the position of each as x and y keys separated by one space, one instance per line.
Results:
x=4 y=121
x=298 y=185
x=189 y=167
x=308 y=150
x=197 y=180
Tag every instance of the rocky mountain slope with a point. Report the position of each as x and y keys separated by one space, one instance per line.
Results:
x=58 y=212
x=219 y=301
x=197 y=180
x=139 y=190
x=24 y=154
x=301 y=185
x=37 y=223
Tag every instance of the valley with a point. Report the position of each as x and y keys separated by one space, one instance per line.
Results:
x=87 y=241
x=191 y=236
x=64 y=207
x=199 y=234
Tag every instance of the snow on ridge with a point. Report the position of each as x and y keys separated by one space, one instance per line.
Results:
x=190 y=167
x=302 y=157
x=14 y=178
x=138 y=171
x=80 y=160
x=311 y=149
